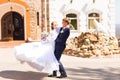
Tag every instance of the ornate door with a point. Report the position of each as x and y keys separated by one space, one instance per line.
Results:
x=12 y=26
x=7 y=27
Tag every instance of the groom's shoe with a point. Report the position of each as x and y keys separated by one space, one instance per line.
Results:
x=62 y=76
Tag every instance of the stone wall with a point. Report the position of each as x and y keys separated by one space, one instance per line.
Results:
x=94 y=44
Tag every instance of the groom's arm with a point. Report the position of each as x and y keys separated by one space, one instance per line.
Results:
x=63 y=36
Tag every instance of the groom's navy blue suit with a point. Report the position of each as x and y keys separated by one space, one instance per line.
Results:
x=60 y=45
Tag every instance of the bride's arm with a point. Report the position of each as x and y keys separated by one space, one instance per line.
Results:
x=52 y=36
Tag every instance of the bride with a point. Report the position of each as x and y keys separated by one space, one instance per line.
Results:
x=39 y=55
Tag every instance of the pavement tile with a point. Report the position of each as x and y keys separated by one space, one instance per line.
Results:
x=76 y=67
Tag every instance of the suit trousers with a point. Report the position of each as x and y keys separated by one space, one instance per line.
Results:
x=58 y=52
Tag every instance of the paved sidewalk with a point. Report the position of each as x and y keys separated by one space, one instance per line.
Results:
x=77 y=68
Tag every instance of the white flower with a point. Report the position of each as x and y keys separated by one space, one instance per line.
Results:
x=61 y=31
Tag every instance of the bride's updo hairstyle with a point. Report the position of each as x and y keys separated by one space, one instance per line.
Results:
x=53 y=25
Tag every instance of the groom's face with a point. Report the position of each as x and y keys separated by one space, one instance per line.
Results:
x=64 y=23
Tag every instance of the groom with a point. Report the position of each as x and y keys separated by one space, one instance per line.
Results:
x=60 y=45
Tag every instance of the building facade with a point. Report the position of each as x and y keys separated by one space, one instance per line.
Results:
x=21 y=19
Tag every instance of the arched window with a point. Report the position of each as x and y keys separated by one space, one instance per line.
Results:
x=73 y=18
x=91 y=17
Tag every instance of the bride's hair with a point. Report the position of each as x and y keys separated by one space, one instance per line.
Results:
x=53 y=24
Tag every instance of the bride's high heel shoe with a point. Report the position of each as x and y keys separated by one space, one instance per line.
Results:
x=53 y=75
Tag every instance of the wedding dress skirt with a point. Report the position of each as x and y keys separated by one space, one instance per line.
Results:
x=39 y=55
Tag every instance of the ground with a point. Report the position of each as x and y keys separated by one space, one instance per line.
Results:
x=76 y=67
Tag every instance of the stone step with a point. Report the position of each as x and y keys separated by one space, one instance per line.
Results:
x=7 y=44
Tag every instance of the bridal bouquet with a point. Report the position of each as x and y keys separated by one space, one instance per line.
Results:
x=44 y=36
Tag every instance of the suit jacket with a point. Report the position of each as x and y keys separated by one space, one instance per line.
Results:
x=62 y=37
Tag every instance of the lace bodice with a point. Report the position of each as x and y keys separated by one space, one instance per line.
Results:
x=53 y=35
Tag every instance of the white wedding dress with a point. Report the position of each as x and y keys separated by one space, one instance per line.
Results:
x=39 y=55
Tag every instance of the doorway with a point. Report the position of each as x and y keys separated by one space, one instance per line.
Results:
x=12 y=26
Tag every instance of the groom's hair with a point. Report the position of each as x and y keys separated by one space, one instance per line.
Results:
x=67 y=20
